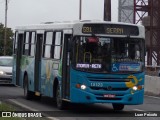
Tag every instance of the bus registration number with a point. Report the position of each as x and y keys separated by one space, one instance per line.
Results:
x=109 y=96
x=96 y=84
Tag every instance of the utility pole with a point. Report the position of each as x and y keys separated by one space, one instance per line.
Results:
x=80 y=9
x=107 y=10
x=5 y=27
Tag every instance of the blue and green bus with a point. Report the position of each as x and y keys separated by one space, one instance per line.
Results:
x=81 y=62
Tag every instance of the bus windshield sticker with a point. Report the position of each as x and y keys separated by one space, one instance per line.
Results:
x=92 y=66
x=126 y=67
x=125 y=60
x=114 y=68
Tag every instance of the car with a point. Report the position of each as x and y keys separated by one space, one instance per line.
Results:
x=6 y=63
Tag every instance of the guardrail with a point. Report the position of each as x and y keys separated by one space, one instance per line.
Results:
x=152 y=70
x=152 y=85
x=150 y=67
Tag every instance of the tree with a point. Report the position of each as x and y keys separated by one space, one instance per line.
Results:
x=9 y=40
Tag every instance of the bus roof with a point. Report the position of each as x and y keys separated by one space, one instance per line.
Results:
x=66 y=24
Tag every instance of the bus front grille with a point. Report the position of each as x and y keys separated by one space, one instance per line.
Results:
x=103 y=98
x=106 y=79
x=107 y=89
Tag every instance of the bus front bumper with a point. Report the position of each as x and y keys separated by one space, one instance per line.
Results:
x=82 y=96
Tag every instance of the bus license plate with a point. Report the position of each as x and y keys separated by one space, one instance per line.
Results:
x=109 y=96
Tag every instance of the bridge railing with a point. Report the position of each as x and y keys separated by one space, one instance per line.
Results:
x=152 y=70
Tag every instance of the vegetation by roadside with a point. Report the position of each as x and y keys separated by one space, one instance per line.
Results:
x=9 y=40
x=5 y=107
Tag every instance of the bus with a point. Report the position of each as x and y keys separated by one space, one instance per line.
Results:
x=81 y=62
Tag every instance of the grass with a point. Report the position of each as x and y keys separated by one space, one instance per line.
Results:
x=6 y=107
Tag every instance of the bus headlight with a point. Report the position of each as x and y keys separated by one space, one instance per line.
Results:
x=83 y=87
x=139 y=87
x=2 y=73
x=135 y=88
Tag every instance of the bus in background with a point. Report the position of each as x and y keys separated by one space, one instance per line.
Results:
x=81 y=62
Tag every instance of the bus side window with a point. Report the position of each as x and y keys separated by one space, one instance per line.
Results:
x=26 y=44
x=32 y=44
x=15 y=42
x=58 y=45
x=47 y=46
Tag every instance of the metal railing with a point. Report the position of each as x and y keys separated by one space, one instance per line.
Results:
x=152 y=70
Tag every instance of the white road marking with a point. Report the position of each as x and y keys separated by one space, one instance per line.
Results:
x=152 y=96
x=137 y=110
x=31 y=109
x=147 y=96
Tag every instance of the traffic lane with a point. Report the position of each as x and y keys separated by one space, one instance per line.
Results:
x=10 y=91
x=151 y=103
x=6 y=92
x=47 y=106
x=74 y=110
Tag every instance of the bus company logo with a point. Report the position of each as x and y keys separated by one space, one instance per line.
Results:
x=6 y=114
x=109 y=88
x=21 y=114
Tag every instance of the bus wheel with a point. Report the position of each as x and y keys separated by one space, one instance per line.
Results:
x=118 y=106
x=59 y=101
x=37 y=97
x=28 y=94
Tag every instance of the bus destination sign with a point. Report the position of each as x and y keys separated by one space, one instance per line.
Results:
x=110 y=29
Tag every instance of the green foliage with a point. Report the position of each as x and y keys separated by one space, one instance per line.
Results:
x=9 y=108
x=5 y=107
x=9 y=42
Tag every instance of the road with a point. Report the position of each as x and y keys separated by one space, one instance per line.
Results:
x=14 y=95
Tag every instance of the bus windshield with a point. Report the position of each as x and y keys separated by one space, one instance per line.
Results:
x=108 y=55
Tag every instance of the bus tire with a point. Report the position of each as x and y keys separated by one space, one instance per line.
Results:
x=37 y=97
x=59 y=102
x=28 y=94
x=118 y=106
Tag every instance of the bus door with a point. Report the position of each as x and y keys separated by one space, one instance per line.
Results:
x=37 y=66
x=66 y=65
x=20 y=39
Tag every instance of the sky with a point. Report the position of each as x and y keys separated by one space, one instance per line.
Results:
x=24 y=12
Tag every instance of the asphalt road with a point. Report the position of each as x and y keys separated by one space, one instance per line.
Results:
x=14 y=96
